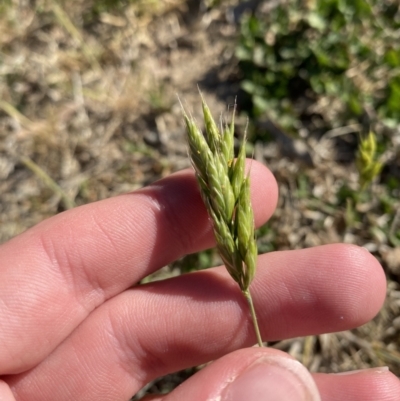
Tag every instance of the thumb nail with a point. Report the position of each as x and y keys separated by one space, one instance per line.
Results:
x=274 y=378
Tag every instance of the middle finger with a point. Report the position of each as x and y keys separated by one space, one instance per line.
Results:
x=165 y=326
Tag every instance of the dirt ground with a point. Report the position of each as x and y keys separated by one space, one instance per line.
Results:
x=89 y=109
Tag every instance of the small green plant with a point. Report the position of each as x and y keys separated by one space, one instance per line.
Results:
x=344 y=54
x=366 y=161
x=225 y=189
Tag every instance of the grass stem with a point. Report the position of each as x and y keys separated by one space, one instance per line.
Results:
x=249 y=299
x=48 y=181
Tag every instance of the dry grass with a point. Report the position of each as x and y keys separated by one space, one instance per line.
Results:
x=88 y=109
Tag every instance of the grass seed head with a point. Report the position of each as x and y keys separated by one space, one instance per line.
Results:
x=366 y=160
x=226 y=193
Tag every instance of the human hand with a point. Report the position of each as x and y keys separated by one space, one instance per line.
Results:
x=74 y=326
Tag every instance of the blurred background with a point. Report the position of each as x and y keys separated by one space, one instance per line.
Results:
x=89 y=109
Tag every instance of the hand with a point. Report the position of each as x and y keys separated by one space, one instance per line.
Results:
x=75 y=327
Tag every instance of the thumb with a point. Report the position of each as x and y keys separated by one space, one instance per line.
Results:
x=256 y=374
x=5 y=392
x=273 y=378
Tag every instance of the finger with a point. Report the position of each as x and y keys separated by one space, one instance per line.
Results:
x=55 y=274
x=5 y=392
x=365 y=385
x=162 y=327
x=250 y=374
x=215 y=381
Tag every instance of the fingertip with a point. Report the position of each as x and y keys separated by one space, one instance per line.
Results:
x=317 y=290
x=366 y=385
x=363 y=271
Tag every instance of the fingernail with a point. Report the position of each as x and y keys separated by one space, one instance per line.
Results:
x=273 y=379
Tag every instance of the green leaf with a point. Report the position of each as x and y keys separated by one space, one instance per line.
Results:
x=316 y=21
x=392 y=57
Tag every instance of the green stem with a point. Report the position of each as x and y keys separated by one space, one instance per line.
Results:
x=249 y=299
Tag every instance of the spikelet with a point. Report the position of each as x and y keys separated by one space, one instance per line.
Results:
x=366 y=160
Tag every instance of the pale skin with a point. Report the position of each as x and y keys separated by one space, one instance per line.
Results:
x=74 y=325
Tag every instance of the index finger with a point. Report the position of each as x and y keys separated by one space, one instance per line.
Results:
x=55 y=274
